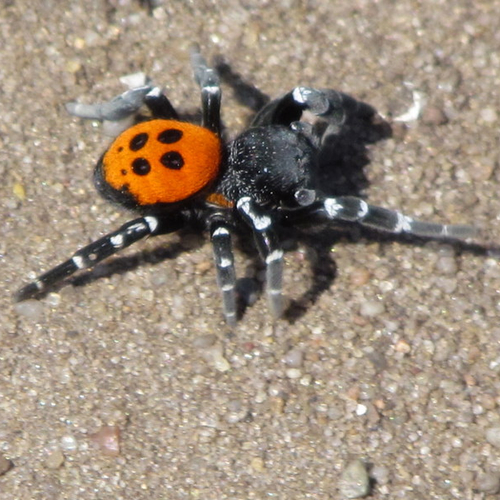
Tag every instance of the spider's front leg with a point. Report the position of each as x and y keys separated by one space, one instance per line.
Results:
x=267 y=243
x=90 y=255
x=208 y=80
x=126 y=105
x=350 y=209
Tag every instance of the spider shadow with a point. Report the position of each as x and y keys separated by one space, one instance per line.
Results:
x=341 y=167
x=122 y=265
x=324 y=269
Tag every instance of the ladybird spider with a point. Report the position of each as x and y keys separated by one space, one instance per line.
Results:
x=174 y=173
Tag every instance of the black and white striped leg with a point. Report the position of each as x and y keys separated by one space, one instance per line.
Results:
x=209 y=83
x=159 y=105
x=224 y=265
x=269 y=248
x=351 y=209
x=90 y=255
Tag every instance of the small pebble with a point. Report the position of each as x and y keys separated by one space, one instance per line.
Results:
x=361 y=410
x=402 y=346
x=432 y=115
x=73 y=66
x=204 y=341
x=446 y=284
x=5 y=465
x=380 y=474
x=134 y=80
x=55 y=459
x=237 y=411
x=488 y=483
x=359 y=276
x=31 y=309
x=107 y=438
x=293 y=373
x=257 y=464
x=470 y=380
x=221 y=364
x=483 y=169
x=19 y=191
x=353 y=392
x=214 y=356
x=277 y=405
x=447 y=265
x=489 y=115
x=371 y=308
x=69 y=443
x=493 y=436
x=373 y=416
x=294 y=358
x=354 y=481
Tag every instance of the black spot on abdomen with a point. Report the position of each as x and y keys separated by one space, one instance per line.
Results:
x=172 y=160
x=141 y=166
x=169 y=136
x=138 y=141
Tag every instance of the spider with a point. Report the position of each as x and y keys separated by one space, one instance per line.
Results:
x=175 y=173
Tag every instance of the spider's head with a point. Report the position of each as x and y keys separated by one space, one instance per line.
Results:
x=159 y=162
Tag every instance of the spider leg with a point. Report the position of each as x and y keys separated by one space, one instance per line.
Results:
x=208 y=80
x=90 y=255
x=352 y=209
x=119 y=108
x=126 y=105
x=159 y=105
x=224 y=262
x=327 y=104
x=269 y=248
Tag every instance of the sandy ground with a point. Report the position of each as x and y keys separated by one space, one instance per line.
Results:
x=395 y=364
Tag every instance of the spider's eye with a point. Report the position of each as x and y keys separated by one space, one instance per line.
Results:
x=161 y=161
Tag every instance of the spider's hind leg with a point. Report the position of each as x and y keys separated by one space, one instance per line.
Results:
x=90 y=255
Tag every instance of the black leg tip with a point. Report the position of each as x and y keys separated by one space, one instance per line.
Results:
x=27 y=292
